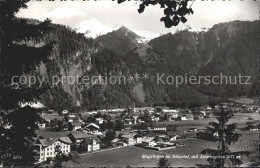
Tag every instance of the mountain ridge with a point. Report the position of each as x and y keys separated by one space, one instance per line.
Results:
x=180 y=53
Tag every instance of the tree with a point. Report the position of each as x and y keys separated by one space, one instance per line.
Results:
x=59 y=157
x=110 y=135
x=98 y=115
x=174 y=10
x=119 y=125
x=103 y=126
x=107 y=117
x=163 y=162
x=17 y=130
x=83 y=147
x=60 y=125
x=110 y=125
x=91 y=119
x=225 y=135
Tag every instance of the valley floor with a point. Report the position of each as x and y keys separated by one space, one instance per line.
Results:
x=132 y=155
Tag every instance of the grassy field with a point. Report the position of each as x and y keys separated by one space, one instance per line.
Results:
x=133 y=155
x=244 y=100
x=239 y=118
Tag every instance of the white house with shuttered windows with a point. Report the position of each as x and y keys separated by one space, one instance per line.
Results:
x=47 y=147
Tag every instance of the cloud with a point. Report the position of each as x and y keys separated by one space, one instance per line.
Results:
x=65 y=13
x=206 y=13
x=217 y=10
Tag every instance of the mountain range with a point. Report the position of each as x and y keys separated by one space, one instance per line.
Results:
x=92 y=49
x=229 y=48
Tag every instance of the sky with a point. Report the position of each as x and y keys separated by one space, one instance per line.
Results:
x=206 y=13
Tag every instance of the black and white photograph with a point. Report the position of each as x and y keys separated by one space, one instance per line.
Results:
x=129 y=83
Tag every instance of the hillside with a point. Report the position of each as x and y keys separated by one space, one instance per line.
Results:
x=229 y=48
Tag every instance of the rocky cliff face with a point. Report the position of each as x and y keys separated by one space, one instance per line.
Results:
x=74 y=61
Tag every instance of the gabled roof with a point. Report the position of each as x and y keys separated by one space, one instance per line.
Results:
x=72 y=116
x=79 y=135
x=128 y=119
x=149 y=139
x=65 y=140
x=89 y=140
x=99 y=119
x=127 y=131
x=51 y=117
x=93 y=125
x=158 y=125
x=127 y=136
x=47 y=142
x=115 y=140
x=74 y=124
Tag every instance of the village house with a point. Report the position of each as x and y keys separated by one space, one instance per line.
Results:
x=65 y=127
x=47 y=147
x=138 y=139
x=42 y=125
x=158 y=127
x=91 y=143
x=172 y=116
x=71 y=118
x=183 y=118
x=99 y=121
x=128 y=121
x=208 y=108
x=170 y=110
x=129 y=139
x=115 y=141
x=150 y=111
x=51 y=117
x=252 y=128
x=224 y=105
x=78 y=137
x=92 y=128
x=204 y=113
x=189 y=116
x=172 y=135
x=149 y=142
x=50 y=112
x=73 y=126
x=155 y=118
x=192 y=130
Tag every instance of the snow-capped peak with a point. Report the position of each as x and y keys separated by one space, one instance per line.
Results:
x=93 y=28
x=145 y=36
x=191 y=29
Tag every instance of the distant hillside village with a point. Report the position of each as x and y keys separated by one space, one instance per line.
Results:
x=148 y=127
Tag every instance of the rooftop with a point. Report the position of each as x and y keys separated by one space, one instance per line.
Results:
x=47 y=142
x=79 y=135
x=91 y=139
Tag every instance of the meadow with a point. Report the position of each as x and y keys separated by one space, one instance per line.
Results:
x=132 y=156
